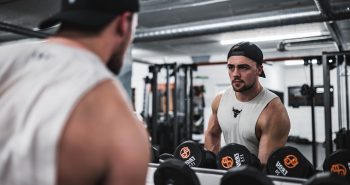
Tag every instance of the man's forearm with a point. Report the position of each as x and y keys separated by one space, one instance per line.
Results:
x=212 y=143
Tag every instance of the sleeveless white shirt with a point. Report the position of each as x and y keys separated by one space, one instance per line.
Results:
x=40 y=84
x=237 y=119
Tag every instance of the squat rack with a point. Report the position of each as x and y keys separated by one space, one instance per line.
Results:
x=182 y=108
x=329 y=61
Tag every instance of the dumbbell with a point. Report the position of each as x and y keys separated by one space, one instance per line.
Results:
x=176 y=172
x=289 y=162
x=165 y=156
x=247 y=175
x=235 y=155
x=154 y=155
x=338 y=163
x=326 y=178
x=194 y=155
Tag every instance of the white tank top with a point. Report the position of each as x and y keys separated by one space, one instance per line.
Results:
x=40 y=84
x=238 y=119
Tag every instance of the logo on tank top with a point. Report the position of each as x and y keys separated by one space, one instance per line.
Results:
x=236 y=112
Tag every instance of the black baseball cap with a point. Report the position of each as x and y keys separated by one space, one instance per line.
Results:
x=249 y=50
x=90 y=13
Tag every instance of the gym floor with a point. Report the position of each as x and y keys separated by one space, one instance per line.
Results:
x=306 y=150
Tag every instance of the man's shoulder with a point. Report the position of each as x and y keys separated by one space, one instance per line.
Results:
x=269 y=92
x=97 y=133
x=275 y=103
x=217 y=99
x=26 y=44
x=275 y=111
x=224 y=91
x=105 y=110
x=107 y=94
x=20 y=47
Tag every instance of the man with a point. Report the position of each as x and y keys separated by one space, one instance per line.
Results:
x=64 y=118
x=247 y=113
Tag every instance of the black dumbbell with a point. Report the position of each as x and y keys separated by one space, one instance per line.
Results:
x=154 y=155
x=289 y=162
x=165 y=156
x=255 y=162
x=194 y=155
x=210 y=160
x=326 y=179
x=176 y=172
x=235 y=155
x=338 y=163
x=245 y=175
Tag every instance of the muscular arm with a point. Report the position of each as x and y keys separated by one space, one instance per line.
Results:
x=212 y=138
x=103 y=142
x=273 y=126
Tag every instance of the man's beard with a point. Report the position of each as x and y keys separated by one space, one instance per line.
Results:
x=115 y=63
x=244 y=88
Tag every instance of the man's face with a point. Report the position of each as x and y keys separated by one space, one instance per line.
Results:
x=115 y=62
x=243 y=72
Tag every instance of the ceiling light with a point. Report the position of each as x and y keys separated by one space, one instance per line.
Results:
x=272 y=37
x=293 y=62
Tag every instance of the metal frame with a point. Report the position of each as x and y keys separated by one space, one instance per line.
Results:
x=22 y=31
x=186 y=104
x=154 y=70
x=191 y=103
x=167 y=120
x=326 y=99
x=326 y=11
x=176 y=121
x=188 y=70
x=327 y=105
x=340 y=117
x=312 y=99
x=346 y=58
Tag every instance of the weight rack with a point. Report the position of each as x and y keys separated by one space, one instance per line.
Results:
x=213 y=177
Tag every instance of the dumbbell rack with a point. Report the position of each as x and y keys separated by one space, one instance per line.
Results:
x=213 y=177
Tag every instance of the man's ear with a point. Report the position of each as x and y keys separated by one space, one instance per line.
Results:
x=124 y=23
x=260 y=69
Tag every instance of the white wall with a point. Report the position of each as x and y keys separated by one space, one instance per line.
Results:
x=217 y=81
x=275 y=78
x=301 y=117
x=139 y=72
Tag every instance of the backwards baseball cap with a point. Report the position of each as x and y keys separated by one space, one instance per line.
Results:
x=248 y=50
x=90 y=13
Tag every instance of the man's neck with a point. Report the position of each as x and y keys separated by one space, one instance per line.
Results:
x=249 y=94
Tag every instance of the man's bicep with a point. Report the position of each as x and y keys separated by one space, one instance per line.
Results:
x=281 y=123
x=212 y=140
x=213 y=124
x=277 y=124
x=129 y=163
x=128 y=148
x=129 y=155
x=269 y=143
x=275 y=131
